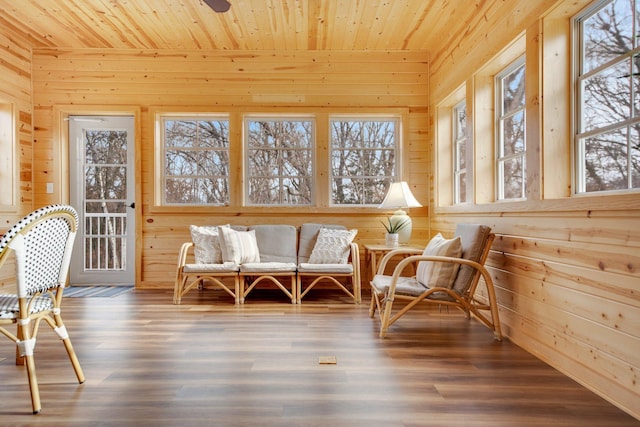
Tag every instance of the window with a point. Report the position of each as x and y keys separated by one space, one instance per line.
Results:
x=608 y=100
x=196 y=160
x=459 y=137
x=279 y=156
x=510 y=131
x=363 y=158
x=7 y=157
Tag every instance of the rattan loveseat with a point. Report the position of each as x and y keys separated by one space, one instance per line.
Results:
x=237 y=259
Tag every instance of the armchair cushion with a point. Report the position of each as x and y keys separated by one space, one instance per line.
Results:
x=474 y=239
x=404 y=286
x=332 y=246
x=207 y=245
x=439 y=274
x=238 y=246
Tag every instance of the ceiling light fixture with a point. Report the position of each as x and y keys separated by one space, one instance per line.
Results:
x=219 y=6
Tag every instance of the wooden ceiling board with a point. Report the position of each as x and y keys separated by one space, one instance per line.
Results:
x=283 y=25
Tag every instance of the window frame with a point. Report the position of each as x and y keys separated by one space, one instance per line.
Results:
x=161 y=167
x=579 y=180
x=500 y=117
x=8 y=159
x=397 y=150
x=457 y=141
x=236 y=115
x=279 y=117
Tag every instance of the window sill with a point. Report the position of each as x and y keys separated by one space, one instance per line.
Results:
x=578 y=203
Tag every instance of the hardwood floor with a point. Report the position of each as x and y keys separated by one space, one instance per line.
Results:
x=208 y=362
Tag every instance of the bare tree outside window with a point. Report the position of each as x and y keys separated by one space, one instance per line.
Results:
x=279 y=161
x=196 y=161
x=363 y=159
x=510 y=85
x=608 y=140
x=106 y=195
x=460 y=153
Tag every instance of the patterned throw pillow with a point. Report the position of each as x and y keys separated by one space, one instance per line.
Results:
x=238 y=246
x=207 y=246
x=440 y=274
x=332 y=246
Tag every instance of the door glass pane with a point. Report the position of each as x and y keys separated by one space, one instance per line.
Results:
x=105 y=195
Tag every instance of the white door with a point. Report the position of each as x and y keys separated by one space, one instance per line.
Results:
x=102 y=189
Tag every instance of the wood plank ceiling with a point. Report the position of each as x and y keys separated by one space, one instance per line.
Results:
x=283 y=25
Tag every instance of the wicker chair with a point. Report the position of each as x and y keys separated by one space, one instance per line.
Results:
x=42 y=243
x=475 y=244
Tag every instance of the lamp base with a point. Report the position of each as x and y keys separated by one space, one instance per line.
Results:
x=398 y=217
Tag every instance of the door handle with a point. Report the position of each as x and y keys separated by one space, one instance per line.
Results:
x=132 y=205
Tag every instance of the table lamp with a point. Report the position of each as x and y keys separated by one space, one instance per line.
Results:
x=399 y=197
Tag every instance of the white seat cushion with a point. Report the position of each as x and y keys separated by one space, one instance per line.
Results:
x=228 y=267
x=268 y=267
x=306 y=267
x=405 y=285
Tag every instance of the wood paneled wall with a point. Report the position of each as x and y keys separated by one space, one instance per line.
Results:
x=15 y=89
x=86 y=80
x=567 y=269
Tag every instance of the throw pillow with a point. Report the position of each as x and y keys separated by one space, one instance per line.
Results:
x=440 y=274
x=207 y=246
x=238 y=246
x=332 y=246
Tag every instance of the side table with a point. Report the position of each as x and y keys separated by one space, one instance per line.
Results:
x=373 y=253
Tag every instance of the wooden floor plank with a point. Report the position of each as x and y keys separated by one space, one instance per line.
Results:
x=209 y=362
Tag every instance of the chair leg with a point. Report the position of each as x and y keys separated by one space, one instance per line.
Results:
x=178 y=288
x=74 y=360
x=19 y=358
x=384 y=325
x=61 y=330
x=298 y=289
x=33 y=384
x=372 y=304
x=236 y=287
x=25 y=347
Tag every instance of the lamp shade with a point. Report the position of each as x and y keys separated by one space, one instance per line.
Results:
x=399 y=196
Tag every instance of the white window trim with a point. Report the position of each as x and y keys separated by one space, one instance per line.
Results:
x=499 y=116
x=283 y=117
x=8 y=157
x=160 y=162
x=456 y=141
x=397 y=118
x=577 y=149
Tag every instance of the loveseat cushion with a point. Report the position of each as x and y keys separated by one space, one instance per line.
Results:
x=229 y=267
x=268 y=267
x=306 y=267
x=238 y=246
x=276 y=243
x=332 y=246
x=206 y=244
x=308 y=236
